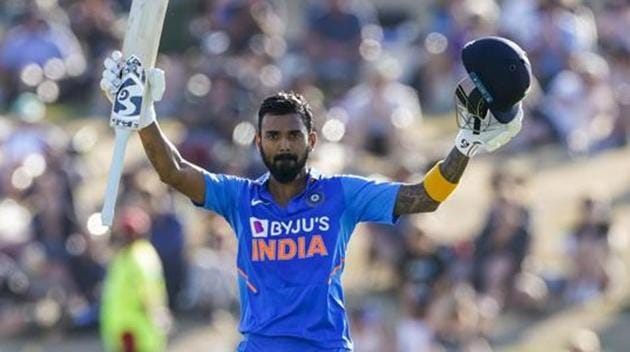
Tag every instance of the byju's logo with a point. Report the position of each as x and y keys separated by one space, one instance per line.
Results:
x=259 y=227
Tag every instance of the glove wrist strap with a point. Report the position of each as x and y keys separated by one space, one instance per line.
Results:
x=148 y=117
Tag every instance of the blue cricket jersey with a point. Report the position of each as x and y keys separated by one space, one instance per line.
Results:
x=290 y=259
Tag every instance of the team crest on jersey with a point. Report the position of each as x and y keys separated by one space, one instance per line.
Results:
x=315 y=198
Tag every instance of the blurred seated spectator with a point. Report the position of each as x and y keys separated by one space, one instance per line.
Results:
x=245 y=22
x=211 y=273
x=459 y=321
x=590 y=252
x=562 y=28
x=54 y=216
x=425 y=269
x=167 y=236
x=29 y=135
x=619 y=60
x=332 y=43
x=93 y=21
x=414 y=332
x=34 y=40
x=584 y=340
x=537 y=128
x=368 y=329
x=379 y=109
x=581 y=106
x=504 y=241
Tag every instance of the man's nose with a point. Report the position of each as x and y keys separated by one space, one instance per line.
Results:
x=284 y=144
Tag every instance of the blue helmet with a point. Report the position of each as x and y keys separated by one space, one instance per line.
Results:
x=501 y=74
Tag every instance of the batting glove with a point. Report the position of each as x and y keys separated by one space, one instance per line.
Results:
x=124 y=83
x=469 y=140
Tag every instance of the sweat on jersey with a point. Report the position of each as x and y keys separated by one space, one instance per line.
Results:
x=290 y=259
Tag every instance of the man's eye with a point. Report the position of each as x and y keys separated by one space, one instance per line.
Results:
x=273 y=137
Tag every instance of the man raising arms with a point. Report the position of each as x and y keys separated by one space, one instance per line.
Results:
x=293 y=224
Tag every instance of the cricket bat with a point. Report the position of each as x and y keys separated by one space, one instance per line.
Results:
x=142 y=39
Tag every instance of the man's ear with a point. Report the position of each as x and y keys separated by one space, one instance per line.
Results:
x=257 y=140
x=312 y=140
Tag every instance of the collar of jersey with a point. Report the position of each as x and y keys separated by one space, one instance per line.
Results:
x=312 y=178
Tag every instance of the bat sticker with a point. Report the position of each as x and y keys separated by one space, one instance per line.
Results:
x=128 y=103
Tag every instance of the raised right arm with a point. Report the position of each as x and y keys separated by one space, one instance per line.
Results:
x=173 y=170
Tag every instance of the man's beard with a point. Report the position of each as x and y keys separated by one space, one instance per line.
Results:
x=284 y=167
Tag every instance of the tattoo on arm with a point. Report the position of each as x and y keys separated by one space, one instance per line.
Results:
x=454 y=165
x=414 y=198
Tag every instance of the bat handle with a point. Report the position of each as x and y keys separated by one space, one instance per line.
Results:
x=113 y=178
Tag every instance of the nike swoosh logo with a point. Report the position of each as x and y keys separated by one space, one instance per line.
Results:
x=256 y=202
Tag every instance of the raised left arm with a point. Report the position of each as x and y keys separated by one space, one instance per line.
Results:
x=414 y=198
x=479 y=130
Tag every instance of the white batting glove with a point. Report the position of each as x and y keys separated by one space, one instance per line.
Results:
x=469 y=142
x=110 y=78
x=124 y=84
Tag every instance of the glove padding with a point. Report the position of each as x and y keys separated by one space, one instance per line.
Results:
x=124 y=84
x=469 y=141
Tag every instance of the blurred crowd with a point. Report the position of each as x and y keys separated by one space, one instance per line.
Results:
x=372 y=74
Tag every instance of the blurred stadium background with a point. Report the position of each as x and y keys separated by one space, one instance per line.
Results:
x=531 y=254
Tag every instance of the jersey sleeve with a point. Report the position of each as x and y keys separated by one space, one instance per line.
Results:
x=222 y=194
x=369 y=200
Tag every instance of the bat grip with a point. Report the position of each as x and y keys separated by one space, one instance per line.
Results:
x=113 y=178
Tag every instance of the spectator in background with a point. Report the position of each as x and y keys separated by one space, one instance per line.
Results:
x=167 y=236
x=519 y=20
x=332 y=44
x=452 y=24
x=30 y=135
x=612 y=25
x=380 y=108
x=564 y=27
x=581 y=105
x=620 y=81
x=368 y=330
x=414 y=332
x=584 y=340
x=590 y=252
x=504 y=241
x=458 y=320
x=134 y=312
x=93 y=22
x=33 y=40
x=243 y=21
x=425 y=269
x=210 y=278
x=435 y=81
x=54 y=216
x=88 y=274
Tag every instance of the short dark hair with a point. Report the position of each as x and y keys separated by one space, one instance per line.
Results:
x=283 y=103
